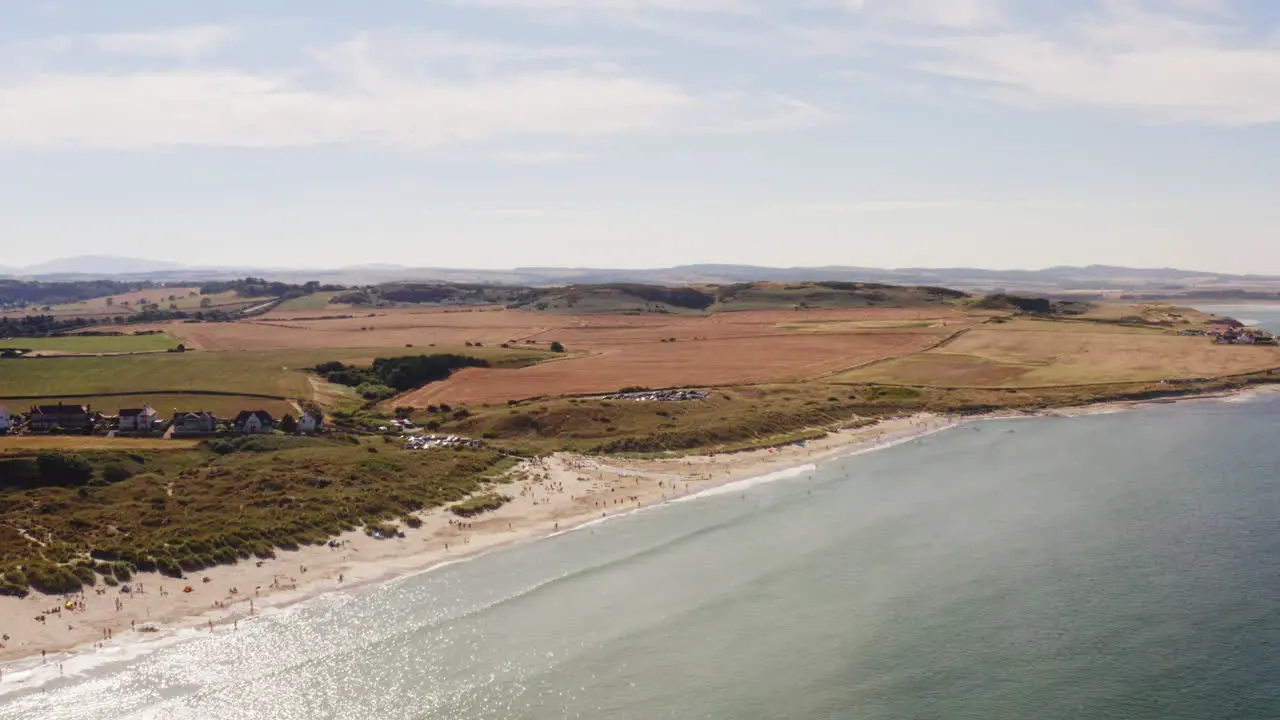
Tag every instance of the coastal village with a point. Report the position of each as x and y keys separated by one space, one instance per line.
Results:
x=76 y=419
x=1234 y=335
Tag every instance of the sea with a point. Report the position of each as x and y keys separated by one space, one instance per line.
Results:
x=1117 y=565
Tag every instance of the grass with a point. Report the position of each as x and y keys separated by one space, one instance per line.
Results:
x=150 y=378
x=185 y=298
x=14 y=445
x=315 y=301
x=195 y=508
x=1033 y=354
x=479 y=504
x=275 y=373
x=86 y=344
x=728 y=420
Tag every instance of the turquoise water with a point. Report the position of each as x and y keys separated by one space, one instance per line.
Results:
x=1109 y=566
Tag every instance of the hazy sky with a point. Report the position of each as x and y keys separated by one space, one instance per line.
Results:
x=632 y=133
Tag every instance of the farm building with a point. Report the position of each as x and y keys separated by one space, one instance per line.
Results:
x=308 y=424
x=254 y=422
x=46 y=418
x=138 y=420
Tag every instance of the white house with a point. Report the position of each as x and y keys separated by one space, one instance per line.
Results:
x=4 y=420
x=255 y=422
x=141 y=420
x=308 y=424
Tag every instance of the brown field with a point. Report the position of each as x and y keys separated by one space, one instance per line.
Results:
x=11 y=445
x=1037 y=354
x=98 y=309
x=423 y=328
x=768 y=357
x=386 y=329
x=942 y=346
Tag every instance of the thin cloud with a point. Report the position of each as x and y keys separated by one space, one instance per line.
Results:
x=183 y=42
x=1163 y=63
x=365 y=92
x=540 y=157
x=881 y=206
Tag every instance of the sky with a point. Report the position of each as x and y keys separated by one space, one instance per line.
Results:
x=643 y=133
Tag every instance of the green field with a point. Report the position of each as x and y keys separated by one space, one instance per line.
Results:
x=89 y=344
x=316 y=301
x=277 y=373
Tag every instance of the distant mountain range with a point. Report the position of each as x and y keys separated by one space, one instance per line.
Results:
x=1093 y=278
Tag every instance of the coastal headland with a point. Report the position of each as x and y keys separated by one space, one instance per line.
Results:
x=534 y=415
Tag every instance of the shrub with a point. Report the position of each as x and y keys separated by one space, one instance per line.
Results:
x=64 y=469
x=479 y=504
x=8 y=589
x=556 y=347
x=413 y=521
x=110 y=581
x=370 y=391
x=53 y=579
x=115 y=473
x=86 y=574
x=168 y=567
x=122 y=570
x=190 y=563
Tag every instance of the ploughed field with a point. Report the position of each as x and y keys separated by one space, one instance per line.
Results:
x=607 y=353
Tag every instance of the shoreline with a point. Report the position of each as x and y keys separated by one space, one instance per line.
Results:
x=550 y=496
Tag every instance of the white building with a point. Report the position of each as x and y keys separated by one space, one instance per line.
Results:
x=308 y=424
x=143 y=420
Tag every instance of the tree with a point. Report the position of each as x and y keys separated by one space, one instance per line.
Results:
x=288 y=424
x=206 y=303
x=556 y=347
x=111 y=301
x=63 y=469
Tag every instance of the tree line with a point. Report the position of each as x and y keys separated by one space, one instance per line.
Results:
x=390 y=376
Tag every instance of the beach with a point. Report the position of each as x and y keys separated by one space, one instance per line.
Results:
x=548 y=495
x=907 y=558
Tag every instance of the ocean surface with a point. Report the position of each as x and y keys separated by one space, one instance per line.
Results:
x=1120 y=566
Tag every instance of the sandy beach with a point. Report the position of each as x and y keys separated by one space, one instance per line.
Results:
x=549 y=495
